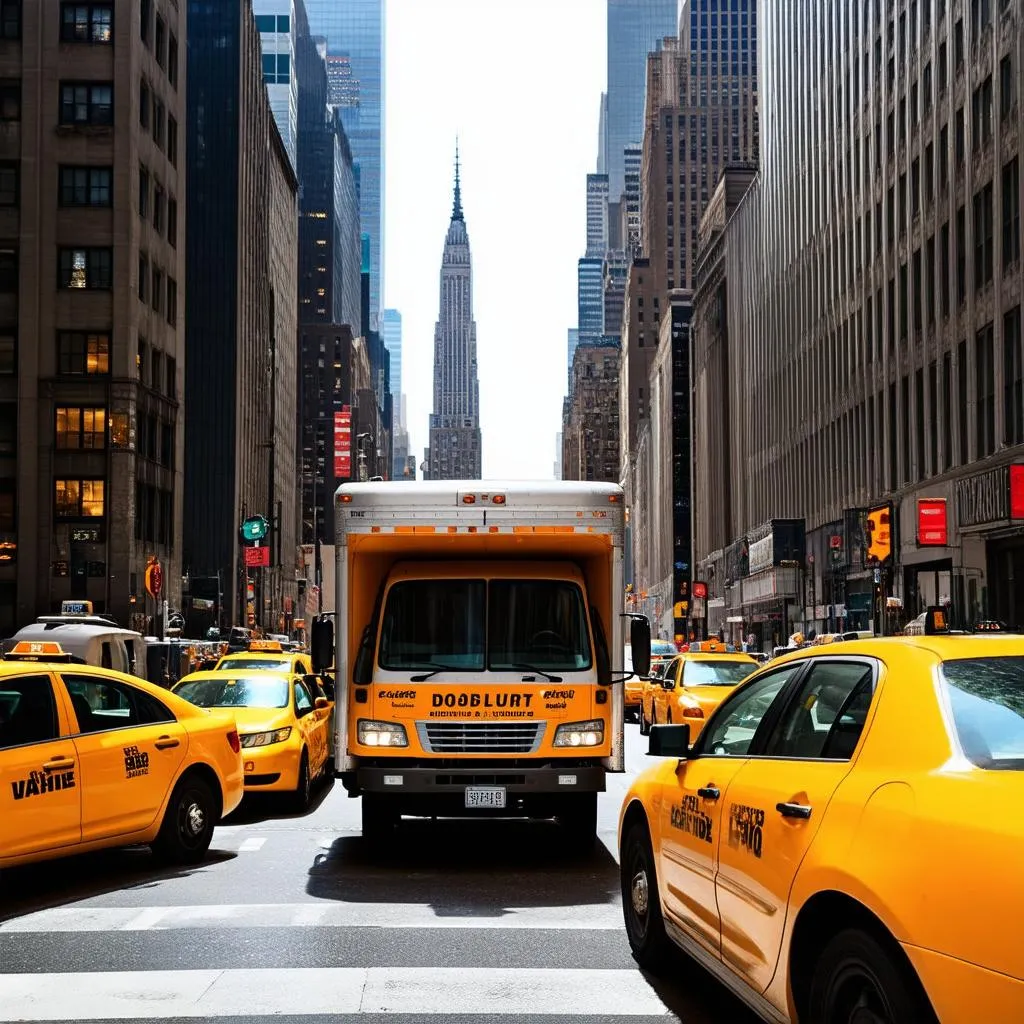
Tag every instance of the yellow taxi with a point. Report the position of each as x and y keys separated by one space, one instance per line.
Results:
x=844 y=840
x=92 y=758
x=266 y=654
x=662 y=651
x=283 y=721
x=692 y=685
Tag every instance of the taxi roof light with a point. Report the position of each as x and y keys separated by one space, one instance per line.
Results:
x=37 y=650
x=266 y=645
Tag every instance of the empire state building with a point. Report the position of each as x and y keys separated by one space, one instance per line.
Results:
x=454 y=452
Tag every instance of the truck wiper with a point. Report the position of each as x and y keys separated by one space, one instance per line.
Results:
x=530 y=668
x=435 y=668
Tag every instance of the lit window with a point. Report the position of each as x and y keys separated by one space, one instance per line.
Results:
x=80 y=353
x=81 y=428
x=85 y=268
x=78 y=499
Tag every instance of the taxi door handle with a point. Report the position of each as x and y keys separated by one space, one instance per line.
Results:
x=165 y=742
x=709 y=792
x=794 y=810
x=58 y=762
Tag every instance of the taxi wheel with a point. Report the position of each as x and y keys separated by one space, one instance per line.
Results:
x=641 y=904
x=303 y=795
x=187 y=828
x=858 y=981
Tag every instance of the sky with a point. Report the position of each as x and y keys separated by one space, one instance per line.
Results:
x=520 y=85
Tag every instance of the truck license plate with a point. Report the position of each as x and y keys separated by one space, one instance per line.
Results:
x=485 y=796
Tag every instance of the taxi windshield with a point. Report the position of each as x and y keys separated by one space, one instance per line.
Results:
x=986 y=696
x=716 y=673
x=266 y=664
x=233 y=692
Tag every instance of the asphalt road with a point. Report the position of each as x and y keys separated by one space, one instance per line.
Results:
x=292 y=917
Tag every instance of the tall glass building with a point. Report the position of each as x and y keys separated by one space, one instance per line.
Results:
x=391 y=331
x=278 y=23
x=354 y=30
x=635 y=27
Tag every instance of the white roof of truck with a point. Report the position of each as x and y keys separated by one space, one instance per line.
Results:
x=518 y=493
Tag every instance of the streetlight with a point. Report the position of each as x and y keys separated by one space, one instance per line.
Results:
x=360 y=438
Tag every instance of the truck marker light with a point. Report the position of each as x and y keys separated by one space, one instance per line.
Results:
x=453 y=529
x=567 y=780
x=498 y=499
x=492 y=529
x=469 y=499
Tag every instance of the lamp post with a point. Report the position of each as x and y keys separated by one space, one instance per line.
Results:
x=360 y=438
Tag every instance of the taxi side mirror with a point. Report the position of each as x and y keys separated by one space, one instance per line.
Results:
x=321 y=646
x=321 y=704
x=670 y=683
x=640 y=644
x=669 y=741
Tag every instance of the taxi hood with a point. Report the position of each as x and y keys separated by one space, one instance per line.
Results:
x=262 y=719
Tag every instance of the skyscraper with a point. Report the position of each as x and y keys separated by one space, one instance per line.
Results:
x=278 y=23
x=354 y=30
x=590 y=298
x=597 y=214
x=635 y=27
x=391 y=331
x=454 y=452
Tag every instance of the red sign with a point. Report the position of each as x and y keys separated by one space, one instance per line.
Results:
x=932 y=530
x=154 y=578
x=257 y=557
x=1017 y=491
x=343 y=443
x=700 y=590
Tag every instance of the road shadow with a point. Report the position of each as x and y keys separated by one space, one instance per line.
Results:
x=467 y=868
x=697 y=997
x=259 y=807
x=55 y=883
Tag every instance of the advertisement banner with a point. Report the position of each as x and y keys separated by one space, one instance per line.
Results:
x=257 y=557
x=343 y=443
x=932 y=529
x=1017 y=491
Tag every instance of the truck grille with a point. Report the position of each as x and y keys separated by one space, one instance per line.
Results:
x=480 y=737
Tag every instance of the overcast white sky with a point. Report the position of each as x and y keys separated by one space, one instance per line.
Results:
x=520 y=85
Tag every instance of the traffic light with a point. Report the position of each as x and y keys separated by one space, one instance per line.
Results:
x=879 y=535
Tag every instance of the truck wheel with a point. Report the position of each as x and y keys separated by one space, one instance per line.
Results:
x=641 y=904
x=380 y=816
x=188 y=823
x=578 y=818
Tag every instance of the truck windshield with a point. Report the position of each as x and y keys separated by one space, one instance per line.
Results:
x=442 y=624
x=537 y=623
x=434 y=622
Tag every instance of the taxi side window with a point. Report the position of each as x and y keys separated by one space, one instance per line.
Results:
x=671 y=670
x=827 y=714
x=102 y=704
x=303 y=701
x=732 y=729
x=28 y=712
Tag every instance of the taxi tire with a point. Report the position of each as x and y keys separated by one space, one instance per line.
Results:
x=854 y=960
x=303 y=795
x=177 y=841
x=651 y=946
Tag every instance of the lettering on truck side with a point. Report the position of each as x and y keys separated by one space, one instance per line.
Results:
x=481 y=700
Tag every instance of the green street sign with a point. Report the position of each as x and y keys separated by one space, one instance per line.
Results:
x=254 y=528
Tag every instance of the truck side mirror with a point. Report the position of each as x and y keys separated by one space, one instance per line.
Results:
x=640 y=644
x=321 y=645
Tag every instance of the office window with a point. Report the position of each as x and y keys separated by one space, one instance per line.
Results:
x=84 y=103
x=959 y=144
x=943 y=156
x=1011 y=213
x=85 y=268
x=159 y=208
x=157 y=290
x=172 y=301
x=145 y=103
x=160 y=41
x=1007 y=87
x=8 y=352
x=946 y=415
x=172 y=222
x=143 y=192
x=172 y=61
x=145 y=20
x=269 y=68
x=961 y=407
x=159 y=119
x=983 y=231
x=981 y=113
x=81 y=428
x=87 y=23
x=944 y=268
x=265 y=23
x=83 y=353
x=143 y=282
x=10 y=101
x=10 y=19
x=172 y=377
x=985 y=391
x=1013 y=379
x=172 y=141
x=961 y=256
x=9 y=183
x=86 y=186
x=8 y=271
x=8 y=429
x=78 y=499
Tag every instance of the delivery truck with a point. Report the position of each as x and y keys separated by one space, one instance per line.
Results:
x=477 y=643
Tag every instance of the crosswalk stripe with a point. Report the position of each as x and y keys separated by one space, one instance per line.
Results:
x=588 y=917
x=162 y=995
x=251 y=845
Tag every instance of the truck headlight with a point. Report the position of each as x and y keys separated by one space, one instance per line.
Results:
x=580 y=734
x=264 y=739
x=381 y=734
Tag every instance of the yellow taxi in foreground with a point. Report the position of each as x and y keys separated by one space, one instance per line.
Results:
x=844 y=842
x=283 y=722
x=91 y=758
x=691 y=687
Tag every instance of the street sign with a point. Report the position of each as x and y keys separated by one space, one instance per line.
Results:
x=257 y=557
x=254 y=528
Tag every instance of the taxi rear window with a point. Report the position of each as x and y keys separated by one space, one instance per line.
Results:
x=232 y=692
x=986 y=696
x=716 y=673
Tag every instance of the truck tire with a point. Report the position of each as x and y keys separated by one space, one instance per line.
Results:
x=380 y=816
x=578 y=819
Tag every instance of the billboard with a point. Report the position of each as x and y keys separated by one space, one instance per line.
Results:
x=932 y=529
x=343 y=443
x=256 y=557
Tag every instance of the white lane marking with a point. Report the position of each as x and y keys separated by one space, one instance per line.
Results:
x=160 y=995
x=588 y=917
x=251 y=845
